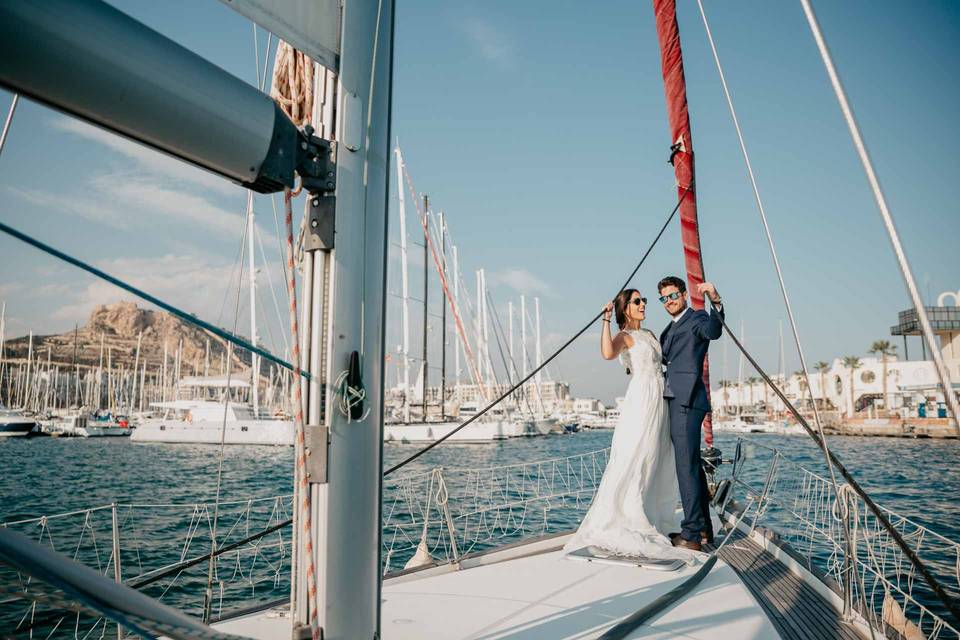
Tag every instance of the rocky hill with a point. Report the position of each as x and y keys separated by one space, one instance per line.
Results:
x=118 y=326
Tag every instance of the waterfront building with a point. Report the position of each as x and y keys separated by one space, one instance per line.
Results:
x=912 y=387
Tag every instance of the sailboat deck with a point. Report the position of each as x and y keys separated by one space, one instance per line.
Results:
x=549 y=596
x=531 y=592
x=796 y=610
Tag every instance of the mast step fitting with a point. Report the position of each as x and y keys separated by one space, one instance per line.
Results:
x=317 y=441
x=303 y=632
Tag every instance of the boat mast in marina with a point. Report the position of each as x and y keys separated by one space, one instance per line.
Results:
x=405 y=291
x=424 y=364
x=443 y=321
x=254 y=358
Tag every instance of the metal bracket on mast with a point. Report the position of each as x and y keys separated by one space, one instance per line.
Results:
x=317 y=443
x=318 y=174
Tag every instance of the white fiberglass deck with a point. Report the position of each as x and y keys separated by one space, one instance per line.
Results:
x=547 y=596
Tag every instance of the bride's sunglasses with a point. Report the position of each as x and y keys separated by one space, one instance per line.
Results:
x=639 y=301
x=670 y=296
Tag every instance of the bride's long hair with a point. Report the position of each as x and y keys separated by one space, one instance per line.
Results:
x=620 y=306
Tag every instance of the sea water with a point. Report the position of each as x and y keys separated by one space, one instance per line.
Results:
x=45 y=476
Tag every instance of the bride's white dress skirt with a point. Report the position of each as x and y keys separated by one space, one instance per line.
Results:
x=635 y=506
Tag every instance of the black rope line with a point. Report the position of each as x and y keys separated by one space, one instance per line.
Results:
x=950 y=604
x=183 y=315
x=554 y=354
x=633 y=622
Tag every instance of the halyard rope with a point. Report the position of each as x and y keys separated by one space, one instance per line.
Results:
x=302 y=511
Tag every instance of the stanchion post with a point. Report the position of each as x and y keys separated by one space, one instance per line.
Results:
x=117 y=573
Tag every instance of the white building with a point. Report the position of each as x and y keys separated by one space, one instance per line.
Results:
x=587 y=405
x=909 y=383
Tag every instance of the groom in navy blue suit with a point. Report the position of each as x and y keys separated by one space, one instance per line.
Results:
x=685 y=342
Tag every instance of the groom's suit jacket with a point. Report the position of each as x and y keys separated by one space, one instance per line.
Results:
x=684 y=344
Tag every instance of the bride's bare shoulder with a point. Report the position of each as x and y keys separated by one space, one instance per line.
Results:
x=625 y=339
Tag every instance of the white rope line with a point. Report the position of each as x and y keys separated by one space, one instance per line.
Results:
x=773 y=252
x=888 y=223
x=302 y=512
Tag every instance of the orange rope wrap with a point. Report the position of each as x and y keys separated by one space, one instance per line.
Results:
x=300 y=453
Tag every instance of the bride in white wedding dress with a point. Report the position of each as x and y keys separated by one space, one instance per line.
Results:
x=635 y=506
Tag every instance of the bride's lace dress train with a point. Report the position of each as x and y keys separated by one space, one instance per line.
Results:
x=635 y=506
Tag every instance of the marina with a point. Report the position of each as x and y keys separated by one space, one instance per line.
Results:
x=897 y=472
x=406 y=461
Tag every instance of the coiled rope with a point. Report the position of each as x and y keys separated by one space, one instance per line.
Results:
x=292 y=86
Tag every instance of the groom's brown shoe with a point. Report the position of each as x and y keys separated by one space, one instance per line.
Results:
x=704 y=537
x=683 y=543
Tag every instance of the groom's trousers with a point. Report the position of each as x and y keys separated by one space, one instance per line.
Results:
x=685 y=425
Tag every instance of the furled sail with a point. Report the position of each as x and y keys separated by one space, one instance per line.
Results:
x=681 y=157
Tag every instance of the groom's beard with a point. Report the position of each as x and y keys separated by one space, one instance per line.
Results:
x=679 y=311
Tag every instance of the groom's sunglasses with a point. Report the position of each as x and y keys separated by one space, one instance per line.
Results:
x=639 y=301
x=670 y=296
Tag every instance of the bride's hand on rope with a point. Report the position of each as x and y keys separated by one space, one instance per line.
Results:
x=607 y=348
x=607 y=311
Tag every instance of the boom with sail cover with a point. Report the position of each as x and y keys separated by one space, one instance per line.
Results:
x=681 y=157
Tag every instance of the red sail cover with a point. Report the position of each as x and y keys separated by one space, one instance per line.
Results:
x=675 y=87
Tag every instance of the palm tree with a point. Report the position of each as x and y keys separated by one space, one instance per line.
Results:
x=883 y=348
x=822 y=367
x=766 y=403
x=853 y=363
x=752 y=380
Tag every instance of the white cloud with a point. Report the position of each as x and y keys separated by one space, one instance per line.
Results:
x=196 y=283
x=148 y=159
x=522 y=281
x=492 y=43
x=125 y=202
x=8 y=289
x=85 y=207
x=142 y=197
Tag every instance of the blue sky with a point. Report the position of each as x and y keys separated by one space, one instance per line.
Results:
x=540 y=129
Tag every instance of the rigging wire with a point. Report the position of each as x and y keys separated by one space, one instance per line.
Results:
x=140 y=293
x=208 y=592
x=273 y=294
x=237 y=260
x=931 y=581
x=888 y=223
x=556 y=353
x=6 y=124
x=776 y=263
x=498 y=336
